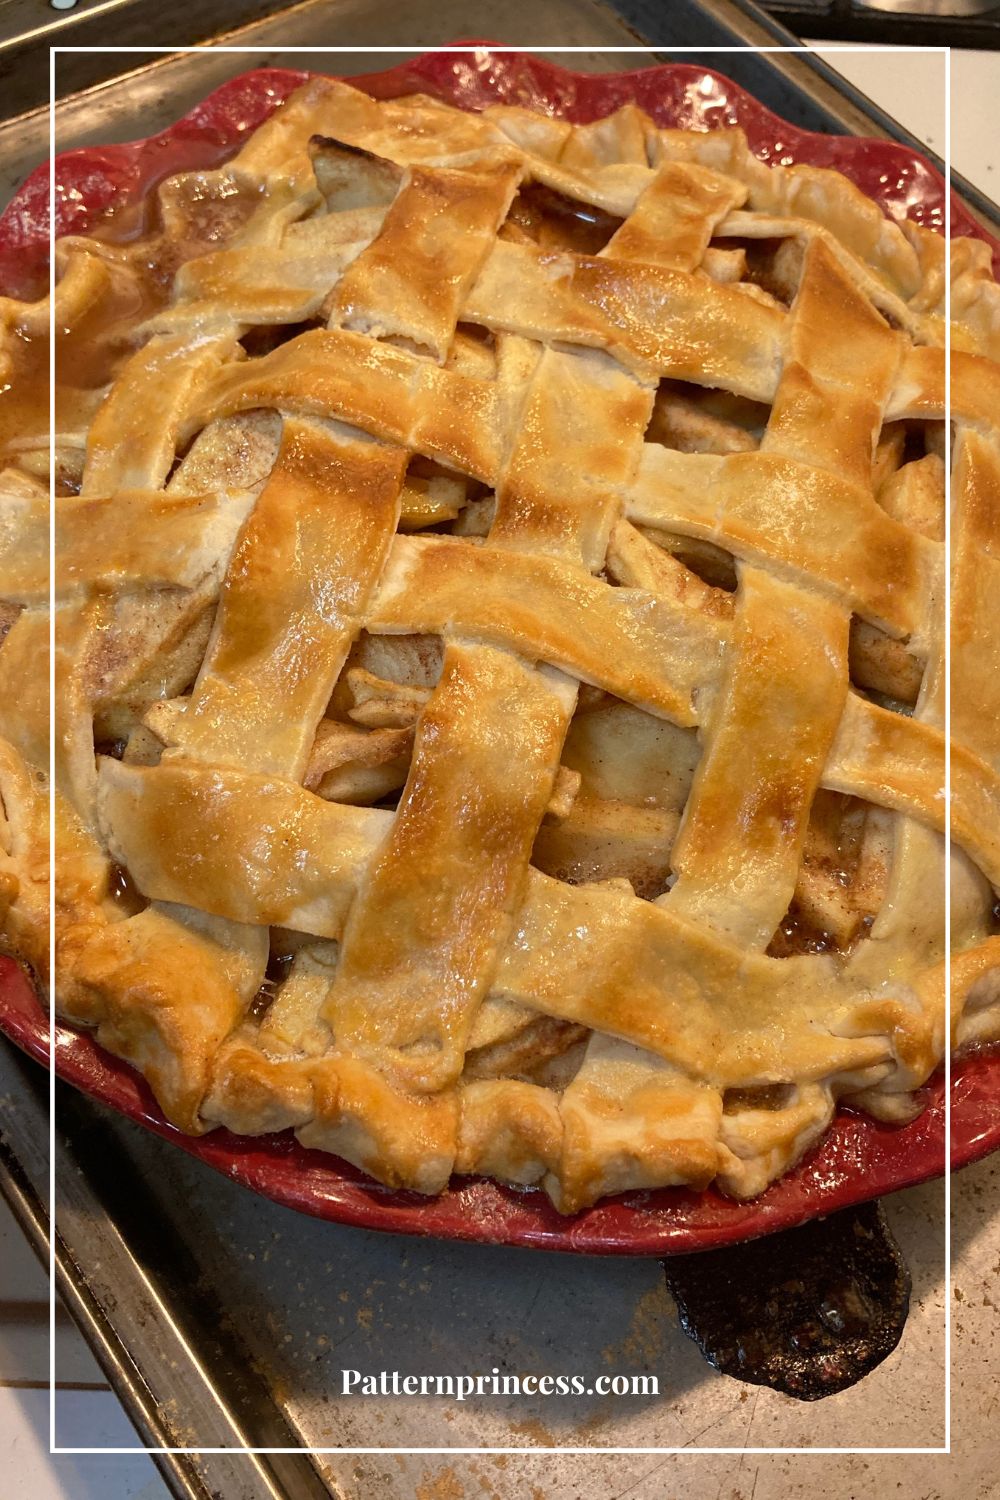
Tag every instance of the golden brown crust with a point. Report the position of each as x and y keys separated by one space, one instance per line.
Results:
x=671 y=424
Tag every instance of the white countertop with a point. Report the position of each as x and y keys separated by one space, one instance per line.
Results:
x=88 y=1411
x=910 y=87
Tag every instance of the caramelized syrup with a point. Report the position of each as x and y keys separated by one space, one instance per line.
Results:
x=124 y=892
x=767 y=1096
x=24 y=394
x=795 y=935
x=87 y=358
x=278 y=965
x=142 y=262
x=556 y=222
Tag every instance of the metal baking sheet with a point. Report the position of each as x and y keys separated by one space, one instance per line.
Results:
x=223 y=1319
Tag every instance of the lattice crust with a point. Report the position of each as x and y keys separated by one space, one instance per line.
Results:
x=499 y=568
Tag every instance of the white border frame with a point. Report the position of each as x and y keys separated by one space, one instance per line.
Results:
x=543 y=51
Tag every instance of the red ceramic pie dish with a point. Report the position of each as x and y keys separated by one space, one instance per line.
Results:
x=859 y=1158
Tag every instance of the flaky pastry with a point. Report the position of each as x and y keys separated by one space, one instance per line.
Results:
x=500 y=647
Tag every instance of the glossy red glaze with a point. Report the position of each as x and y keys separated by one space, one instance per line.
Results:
x=859 y=1158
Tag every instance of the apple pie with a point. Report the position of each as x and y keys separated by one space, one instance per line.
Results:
x=500 y=646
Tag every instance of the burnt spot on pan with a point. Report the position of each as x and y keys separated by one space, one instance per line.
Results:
x=809 y=1311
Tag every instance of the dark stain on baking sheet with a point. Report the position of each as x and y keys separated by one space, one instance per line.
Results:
x=809 y=1311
